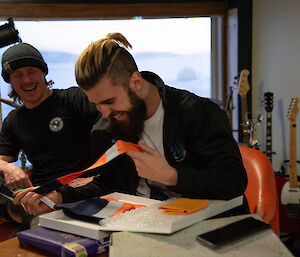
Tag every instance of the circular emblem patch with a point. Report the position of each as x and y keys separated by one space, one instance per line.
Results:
x=56 y=124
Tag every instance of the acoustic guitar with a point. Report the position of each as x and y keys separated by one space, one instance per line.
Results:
x=288 y=189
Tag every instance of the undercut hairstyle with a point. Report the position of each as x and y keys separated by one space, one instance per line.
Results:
x=105 y=57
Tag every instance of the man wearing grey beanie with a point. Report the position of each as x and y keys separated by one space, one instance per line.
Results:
x=52 y=126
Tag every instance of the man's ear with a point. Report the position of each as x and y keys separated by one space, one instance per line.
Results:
x=136 y=82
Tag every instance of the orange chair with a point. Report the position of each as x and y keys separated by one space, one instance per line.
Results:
x=261 y=190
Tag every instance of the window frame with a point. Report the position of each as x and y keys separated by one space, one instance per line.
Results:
x=71 y=10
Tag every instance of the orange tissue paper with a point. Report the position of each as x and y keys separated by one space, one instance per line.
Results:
x=184 y=206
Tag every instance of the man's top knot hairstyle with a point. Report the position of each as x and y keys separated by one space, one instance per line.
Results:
x=105 y=57
x=119 y=39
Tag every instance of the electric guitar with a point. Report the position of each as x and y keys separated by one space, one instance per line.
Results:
x=268 y=100
x=242 y=91
x=289 y=192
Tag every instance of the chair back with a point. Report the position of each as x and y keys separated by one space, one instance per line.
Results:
x=261 y=191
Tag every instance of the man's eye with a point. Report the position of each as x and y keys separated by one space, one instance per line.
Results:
x=109 y=101
x=16 y=76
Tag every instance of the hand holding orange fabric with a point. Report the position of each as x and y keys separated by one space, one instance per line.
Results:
x=150 y=164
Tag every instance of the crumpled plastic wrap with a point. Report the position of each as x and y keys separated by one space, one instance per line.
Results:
x=144 y=217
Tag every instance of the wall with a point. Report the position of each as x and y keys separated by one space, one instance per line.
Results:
x=275 y=68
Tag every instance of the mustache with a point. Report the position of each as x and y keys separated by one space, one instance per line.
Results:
x=116 y=113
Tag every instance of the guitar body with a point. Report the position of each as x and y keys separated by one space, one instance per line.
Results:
x=288 y=189
x=287 y=224
x=290 y=195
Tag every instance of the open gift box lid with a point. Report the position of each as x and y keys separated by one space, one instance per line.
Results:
x=146 y=219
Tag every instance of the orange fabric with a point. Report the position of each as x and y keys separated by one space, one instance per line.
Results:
x=99 y=162
x=184 y=206
x=125 y=207
x=122 y=146
x=68 y=178
x=261 y=191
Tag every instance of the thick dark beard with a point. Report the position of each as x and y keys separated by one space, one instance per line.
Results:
x=131 y=128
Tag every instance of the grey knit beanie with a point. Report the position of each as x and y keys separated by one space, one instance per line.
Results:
x=21 y=55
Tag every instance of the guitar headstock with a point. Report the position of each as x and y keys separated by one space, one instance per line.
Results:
x=243 y=82
x=293 y=110
x=268 y=100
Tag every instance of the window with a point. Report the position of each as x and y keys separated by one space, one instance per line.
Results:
x=178 y=50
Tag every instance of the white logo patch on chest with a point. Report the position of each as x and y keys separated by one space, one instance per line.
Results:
x=56 y=124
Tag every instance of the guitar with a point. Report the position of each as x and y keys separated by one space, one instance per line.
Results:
x=289 y=192
x=228 y=103
x=242 y=91
x=268 y=100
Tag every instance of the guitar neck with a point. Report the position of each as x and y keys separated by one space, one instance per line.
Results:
x=245 y=127
x=269 y=136
x=293 y=157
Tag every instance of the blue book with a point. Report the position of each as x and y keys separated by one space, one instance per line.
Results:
x=60 y=243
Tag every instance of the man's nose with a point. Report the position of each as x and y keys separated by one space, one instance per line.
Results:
x=105 y=111
x=26 y=79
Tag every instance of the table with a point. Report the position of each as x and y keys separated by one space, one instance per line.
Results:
x=178 y=244
x=11 y=248
x=183 y=243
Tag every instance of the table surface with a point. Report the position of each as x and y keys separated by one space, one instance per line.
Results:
x=11 y=248
x=182 y=243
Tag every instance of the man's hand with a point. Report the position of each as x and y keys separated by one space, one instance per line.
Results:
x=15 y=177
x=150 y=164
x=31 y=202
x=78 y=182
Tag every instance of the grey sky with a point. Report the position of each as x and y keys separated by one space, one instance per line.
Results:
x=187 y=36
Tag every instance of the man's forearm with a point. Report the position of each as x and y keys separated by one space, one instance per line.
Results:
x=14 y=176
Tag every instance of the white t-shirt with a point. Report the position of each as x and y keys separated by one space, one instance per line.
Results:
x=152 y=136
